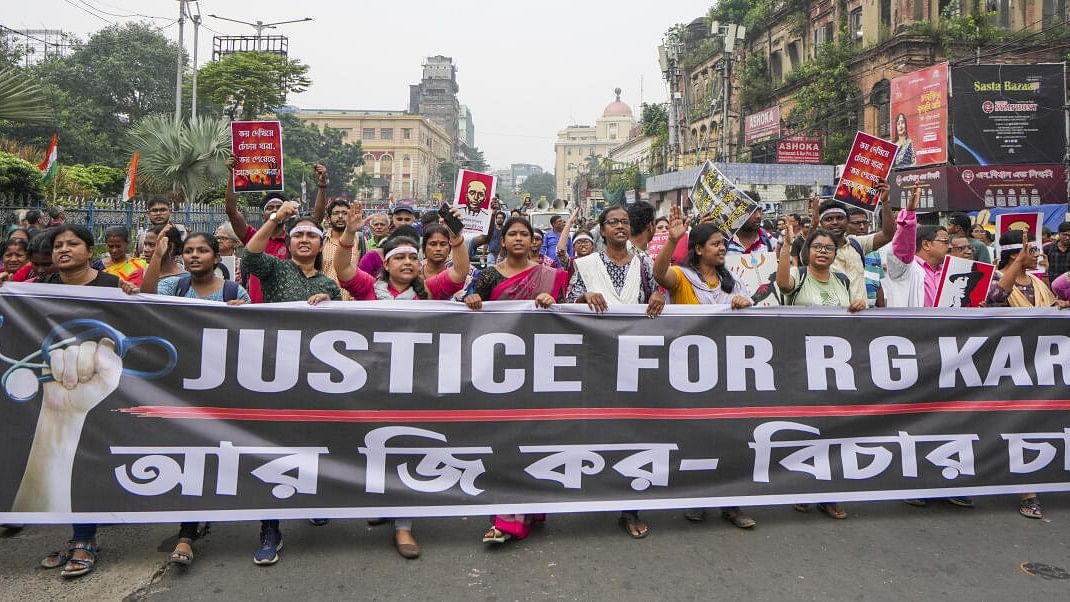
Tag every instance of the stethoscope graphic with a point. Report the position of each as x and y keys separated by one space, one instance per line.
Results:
x=21 y=383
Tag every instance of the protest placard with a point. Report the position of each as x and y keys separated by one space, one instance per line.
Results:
x=473 y=199
x=716 y=195
x=1031 y=222
x=257 y=146
x=757 y=271
x=964 y=282
x=656 y=243
x=868 y=163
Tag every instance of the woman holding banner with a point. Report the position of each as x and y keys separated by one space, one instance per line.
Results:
x=702 y=278
x=616 y=276
x=298 y=278
x=519 y=278
x=1016 y=287
x=816 y=284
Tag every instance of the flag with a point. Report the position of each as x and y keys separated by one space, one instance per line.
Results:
x=130 y=187
x=50 y=165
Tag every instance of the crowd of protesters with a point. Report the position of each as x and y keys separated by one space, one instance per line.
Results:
x=833 y=257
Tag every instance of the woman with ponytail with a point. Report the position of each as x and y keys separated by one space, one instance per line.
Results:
x=703 y=280
x=401 y=278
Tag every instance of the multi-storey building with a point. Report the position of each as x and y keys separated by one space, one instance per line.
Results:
x=402 y=152
x=435 y=97
x=576 y=144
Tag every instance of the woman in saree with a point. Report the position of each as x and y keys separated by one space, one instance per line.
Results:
x=518 y=277
x=118 y=261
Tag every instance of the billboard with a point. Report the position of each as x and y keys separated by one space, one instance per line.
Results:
x=971 y=187
x=799 y=149
x=919 y=117
x=763 y=124
x=1008 y=114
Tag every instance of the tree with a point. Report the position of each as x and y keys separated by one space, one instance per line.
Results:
x=90 y=180
x=181 y=157
x=19 y=177
x=21 y=98
x=250 y=84
x=540 y=184
x=475 y=160
x=305 y=145
x=122 y=74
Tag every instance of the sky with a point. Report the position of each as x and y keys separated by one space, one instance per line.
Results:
x=526 y=70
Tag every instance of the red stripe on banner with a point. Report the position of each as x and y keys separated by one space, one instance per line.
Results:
x=537 y=414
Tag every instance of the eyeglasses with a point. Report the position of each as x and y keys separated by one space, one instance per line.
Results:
x=960 y=247
x=613 y=223
x=826 y=248
x=946 y=241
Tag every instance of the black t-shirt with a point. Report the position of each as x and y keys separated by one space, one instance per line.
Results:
x=796 y=246
x=102 y=279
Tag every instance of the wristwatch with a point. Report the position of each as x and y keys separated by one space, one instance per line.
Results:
x=273 y=217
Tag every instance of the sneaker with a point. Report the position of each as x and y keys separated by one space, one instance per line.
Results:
x=962 y=502
x=270 y=544
x=319 y=522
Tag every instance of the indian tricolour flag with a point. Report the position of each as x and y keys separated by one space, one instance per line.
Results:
x=130 y=187
x=50 y=165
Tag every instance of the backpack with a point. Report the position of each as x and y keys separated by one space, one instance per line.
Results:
x=844 y=280
x=230 y=288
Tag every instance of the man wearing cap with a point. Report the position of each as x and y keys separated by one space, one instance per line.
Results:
x=850 y=249
x=402 y=215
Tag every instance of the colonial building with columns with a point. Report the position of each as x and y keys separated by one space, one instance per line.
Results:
x=577 y=143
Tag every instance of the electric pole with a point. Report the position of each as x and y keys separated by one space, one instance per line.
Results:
x=178 y=69
x=196 y=18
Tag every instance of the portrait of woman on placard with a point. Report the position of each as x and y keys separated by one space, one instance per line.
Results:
x=906 y=156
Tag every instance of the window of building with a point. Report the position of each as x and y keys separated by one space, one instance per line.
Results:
x=1003 y=10
x=1054 y=10
x=855 y=24
x=880 y=97
x=612 y=131
x=919 y=10
x=822 y=35
x=368 y=134
x=386 y=133
x=951 y=8
x=406 y=133
x=776 y=67
x=793 y=54
x=886 y=18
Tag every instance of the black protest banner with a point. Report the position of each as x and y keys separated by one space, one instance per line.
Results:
x=203 y=411
x=714 y=195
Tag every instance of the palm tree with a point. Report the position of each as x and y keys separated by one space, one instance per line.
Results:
x=183 y=157
x=21 y=99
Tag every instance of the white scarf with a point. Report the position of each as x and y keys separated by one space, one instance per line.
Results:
x=382 y=292
x=595 y=275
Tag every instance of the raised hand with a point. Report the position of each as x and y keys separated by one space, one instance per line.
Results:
x=321 y=174
x=84 y=375
x=355 y=218
x=677 y=227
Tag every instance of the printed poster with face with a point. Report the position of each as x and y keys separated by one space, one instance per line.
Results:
x=1031 y=222
x=964 y=282
x=473 y=199
x=757 y=271
x=868 y=163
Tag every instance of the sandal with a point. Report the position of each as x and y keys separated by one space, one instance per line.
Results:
x=801 y=507
x=832 y=510
x=494 y=535
x=738 y=519
x=635 y=528
x=56 y=559
x=1030 y=508
x=180 y=557
x=76 y=567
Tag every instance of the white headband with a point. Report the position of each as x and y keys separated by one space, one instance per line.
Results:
x=401 y=249
x=832 y=211
x=307 y=228
x=1017 y=247
x=580 y=237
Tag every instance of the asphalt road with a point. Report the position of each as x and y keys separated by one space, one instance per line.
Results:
x=884 y=551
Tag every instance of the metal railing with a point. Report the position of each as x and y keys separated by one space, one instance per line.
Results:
x=100 y=213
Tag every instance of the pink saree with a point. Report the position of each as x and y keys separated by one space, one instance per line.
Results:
x=531 y=283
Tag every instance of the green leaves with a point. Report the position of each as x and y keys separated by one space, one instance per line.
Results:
x=250 y=84
x=21 y=98
x=19 y=177
x=183 y=157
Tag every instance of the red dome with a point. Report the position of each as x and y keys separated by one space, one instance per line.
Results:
x=617 y=108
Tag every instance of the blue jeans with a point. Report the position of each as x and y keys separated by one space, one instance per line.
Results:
x=84 y=532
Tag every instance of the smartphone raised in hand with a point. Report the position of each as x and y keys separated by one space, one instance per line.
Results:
x=451 y=220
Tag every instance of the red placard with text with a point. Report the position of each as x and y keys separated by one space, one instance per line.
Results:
x=257 y=146
x=868 y=163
